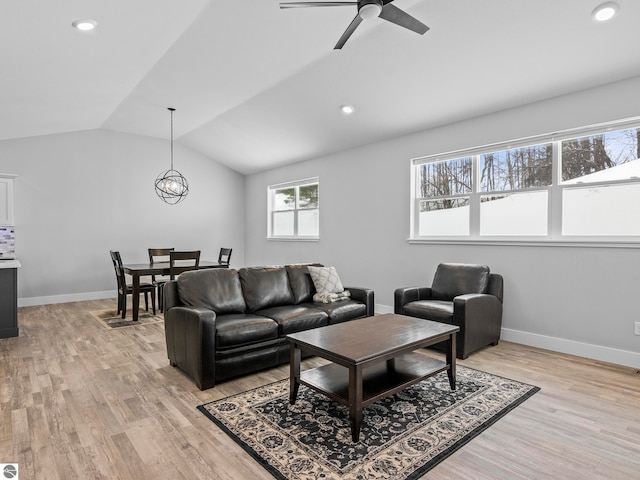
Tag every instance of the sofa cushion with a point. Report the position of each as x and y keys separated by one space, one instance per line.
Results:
x=453 y=279
x=300 y=282
x=243 y=329
x=436 y=310
x=265 y=287
x=326 y=280
x=298 y=318
x=216 y=289
x=343 y=310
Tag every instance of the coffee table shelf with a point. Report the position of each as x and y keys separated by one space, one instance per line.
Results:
x=378 y=381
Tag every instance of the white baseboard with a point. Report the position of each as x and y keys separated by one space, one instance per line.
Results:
x=75 y=297
x=571 y=347
x=383 y=308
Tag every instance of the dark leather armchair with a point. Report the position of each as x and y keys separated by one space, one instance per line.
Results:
x=469 y=296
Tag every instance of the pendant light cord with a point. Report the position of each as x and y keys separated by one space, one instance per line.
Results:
x=171 y=110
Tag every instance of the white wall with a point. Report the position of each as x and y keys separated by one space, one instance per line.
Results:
x=79 y=195
x=576 y=300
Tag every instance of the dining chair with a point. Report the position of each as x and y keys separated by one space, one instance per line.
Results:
x=125 y=289
x=224 y=257
x=182 y=261
x=159 y=255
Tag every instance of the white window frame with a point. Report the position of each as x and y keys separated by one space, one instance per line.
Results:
x=555 y=194
x=271 y=211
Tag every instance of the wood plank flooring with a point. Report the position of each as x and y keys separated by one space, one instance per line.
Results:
x=79 y=401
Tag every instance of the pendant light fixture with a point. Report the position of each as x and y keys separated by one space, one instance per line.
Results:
x=171 y=186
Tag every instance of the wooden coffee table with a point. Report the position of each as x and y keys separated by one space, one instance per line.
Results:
x=378 y=353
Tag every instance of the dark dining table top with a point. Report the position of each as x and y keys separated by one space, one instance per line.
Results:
x=162 y=268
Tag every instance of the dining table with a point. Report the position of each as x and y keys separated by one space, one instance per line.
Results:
x=137 y=270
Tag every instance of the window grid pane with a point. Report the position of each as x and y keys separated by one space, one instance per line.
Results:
x=602 y=157
x=283 y=223
x=516 y=168
x=597 y=210
x=284 y=199
x=524 y=213
x=444 y=216
x=449 y=177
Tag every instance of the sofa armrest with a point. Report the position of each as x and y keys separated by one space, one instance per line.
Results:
x=191 y=342
x=405 y=295
x=170 y=295
x=364 y=295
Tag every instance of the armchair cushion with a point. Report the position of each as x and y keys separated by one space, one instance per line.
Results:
x=436 y=310
x=216 y=289
x=453 y=279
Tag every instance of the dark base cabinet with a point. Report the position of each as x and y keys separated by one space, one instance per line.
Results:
x=8 y=302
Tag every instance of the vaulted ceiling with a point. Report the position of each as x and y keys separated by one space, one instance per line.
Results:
x=255 y=86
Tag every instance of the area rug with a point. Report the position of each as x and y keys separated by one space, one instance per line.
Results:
x=111 y=319
x=402 y=436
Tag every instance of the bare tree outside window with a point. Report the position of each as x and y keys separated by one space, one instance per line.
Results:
x=449 y=177
x=516 y=168
x=586 y=155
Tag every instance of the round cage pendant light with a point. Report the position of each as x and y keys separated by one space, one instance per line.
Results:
x=171 y=186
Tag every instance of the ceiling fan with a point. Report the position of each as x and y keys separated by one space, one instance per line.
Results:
x=368 y=9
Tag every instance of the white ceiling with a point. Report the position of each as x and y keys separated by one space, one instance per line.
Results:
x=255 y=86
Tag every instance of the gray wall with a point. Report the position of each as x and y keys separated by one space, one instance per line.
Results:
x=573 y=299
x=79 y=195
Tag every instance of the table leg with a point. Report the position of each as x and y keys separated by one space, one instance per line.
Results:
x=355 y=401
x=294 y=372
x=451 y=360
x=136 y=297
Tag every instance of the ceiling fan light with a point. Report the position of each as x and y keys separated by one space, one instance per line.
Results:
x=371 y=10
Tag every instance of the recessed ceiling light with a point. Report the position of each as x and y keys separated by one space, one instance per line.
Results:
x=84 y=25
x=605 y=11
x=347 y=109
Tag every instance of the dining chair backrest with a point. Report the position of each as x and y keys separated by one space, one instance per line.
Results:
x=224 y=257
x=119 y=269
x=182 y=261
x=159 y=255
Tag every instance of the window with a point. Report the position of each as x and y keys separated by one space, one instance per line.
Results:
x=444 y=201
x=578 y=185
x=514 y=184
x=294 y=210
x=600 y=176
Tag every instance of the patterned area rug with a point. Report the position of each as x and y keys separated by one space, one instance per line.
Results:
x=402 y=436
x=110 y=319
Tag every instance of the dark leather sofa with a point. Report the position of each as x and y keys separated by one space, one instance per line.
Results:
x=222 y=323
x=466 y=295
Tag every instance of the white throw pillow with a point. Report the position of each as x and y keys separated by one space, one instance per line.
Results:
x=326 y=280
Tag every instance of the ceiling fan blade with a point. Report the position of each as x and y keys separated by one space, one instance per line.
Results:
x=393 y=14
x=316 y=4
x=348 y=32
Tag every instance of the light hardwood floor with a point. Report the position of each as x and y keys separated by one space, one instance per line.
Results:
x=78 y=401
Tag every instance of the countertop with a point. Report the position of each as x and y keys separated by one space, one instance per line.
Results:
x=10 y=264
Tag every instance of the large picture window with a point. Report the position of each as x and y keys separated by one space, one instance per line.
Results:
x=294 y=210
x=571 y=186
